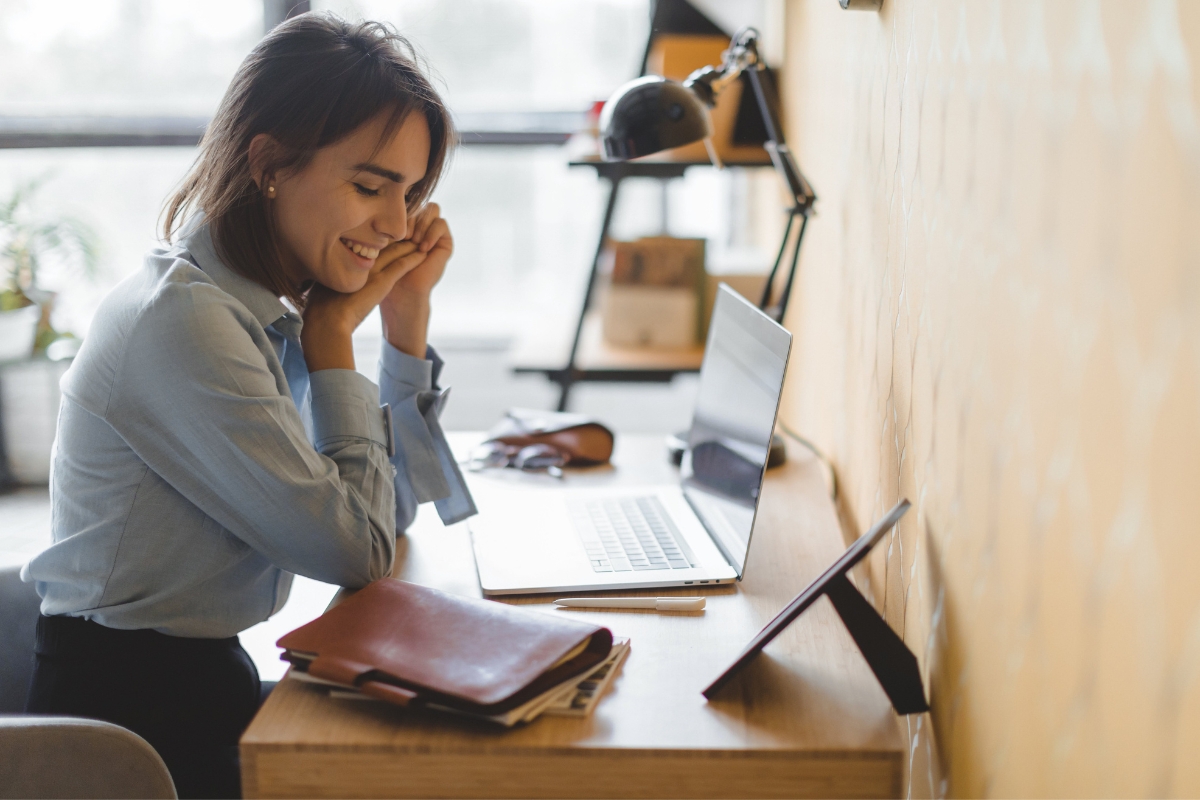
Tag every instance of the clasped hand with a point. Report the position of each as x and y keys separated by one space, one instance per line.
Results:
x=399 y=283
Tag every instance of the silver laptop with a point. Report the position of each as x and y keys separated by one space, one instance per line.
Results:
x=533 y=539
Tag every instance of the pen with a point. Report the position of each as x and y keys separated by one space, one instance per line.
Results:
x=653 y=603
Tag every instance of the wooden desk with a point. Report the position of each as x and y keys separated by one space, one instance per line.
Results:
x=806 y=719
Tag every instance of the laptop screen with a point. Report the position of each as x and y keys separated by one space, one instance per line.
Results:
x=740 y=384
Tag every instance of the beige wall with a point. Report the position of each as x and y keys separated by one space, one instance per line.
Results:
x=998 y=319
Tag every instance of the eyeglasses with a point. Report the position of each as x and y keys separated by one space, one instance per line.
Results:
x=531 y=458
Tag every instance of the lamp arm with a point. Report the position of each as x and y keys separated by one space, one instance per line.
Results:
x=707 y=83
x=781 y=156
x=742 y=58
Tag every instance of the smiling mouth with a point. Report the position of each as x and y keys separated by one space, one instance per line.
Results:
x=361 y=250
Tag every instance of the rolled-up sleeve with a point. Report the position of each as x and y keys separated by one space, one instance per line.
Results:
x=344 y=407
x=426 y=469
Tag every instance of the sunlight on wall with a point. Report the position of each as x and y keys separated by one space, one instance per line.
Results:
x=997 y=318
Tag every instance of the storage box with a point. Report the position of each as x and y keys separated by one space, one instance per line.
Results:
x=655 y=292
x=650 y=316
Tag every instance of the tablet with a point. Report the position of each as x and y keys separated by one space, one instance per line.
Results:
x=802 y=601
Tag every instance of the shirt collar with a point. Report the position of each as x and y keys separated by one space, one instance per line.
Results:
x=265 y=306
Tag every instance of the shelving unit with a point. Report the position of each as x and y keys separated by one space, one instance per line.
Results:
x=589 y=358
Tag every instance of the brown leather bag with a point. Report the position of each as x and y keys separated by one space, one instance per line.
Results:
x=412 y=645
x=581 y=439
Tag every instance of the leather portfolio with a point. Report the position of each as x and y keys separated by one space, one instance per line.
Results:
x=412 y=645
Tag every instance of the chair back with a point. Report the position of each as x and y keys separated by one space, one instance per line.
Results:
x=19 y=609
x=74 y=757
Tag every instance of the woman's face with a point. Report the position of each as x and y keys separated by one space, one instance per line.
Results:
x=335 y=215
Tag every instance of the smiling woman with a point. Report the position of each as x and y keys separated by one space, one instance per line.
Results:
x=314 y=88
x=213 y=441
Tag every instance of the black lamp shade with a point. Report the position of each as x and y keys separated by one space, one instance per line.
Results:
x=651 y=114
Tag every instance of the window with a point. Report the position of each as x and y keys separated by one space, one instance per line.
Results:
x=530 y=55
x=121 y=57
x=524 y=222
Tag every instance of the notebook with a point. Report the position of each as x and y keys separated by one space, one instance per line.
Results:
x=412 y=645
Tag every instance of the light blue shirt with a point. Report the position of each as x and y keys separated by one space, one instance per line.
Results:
x=198 y=464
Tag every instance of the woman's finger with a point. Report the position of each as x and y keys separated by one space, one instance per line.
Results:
x=381 y=283
x=437 y=230
x=382 y=278
x=378 y=284
x=424 y=219
x=393 y=251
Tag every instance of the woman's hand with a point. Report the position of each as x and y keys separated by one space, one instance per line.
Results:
x=330 y=317
x=405 y=310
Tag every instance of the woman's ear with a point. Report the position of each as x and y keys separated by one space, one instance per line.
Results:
x=262 y=147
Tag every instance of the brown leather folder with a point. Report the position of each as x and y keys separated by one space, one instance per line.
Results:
x=583 y=440
x=412 y=645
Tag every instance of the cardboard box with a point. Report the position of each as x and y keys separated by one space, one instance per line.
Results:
x=655 y=292
x=649 y=316
x=658 y=261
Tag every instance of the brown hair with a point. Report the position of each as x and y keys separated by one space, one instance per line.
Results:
x=309 y=83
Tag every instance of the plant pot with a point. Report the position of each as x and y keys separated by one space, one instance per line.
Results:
x=29 y=399
x=17 y=331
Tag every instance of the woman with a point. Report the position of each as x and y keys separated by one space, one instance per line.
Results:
x=212 y=442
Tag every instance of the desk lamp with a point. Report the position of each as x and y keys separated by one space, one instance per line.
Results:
x=652 y=114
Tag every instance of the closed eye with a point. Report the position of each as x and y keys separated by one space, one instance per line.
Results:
x=365 y=191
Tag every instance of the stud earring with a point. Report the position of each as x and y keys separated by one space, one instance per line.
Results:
x=271 y=190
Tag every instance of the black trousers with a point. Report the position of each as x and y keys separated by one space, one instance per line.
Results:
x=189 y=698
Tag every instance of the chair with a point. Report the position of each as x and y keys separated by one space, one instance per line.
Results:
x=19 y=606
x=45 y=757
x=60 y=756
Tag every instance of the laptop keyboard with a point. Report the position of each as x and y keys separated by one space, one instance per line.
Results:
x=626 y=534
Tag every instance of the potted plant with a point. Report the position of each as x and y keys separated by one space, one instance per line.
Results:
x=29 y=386
x=26 y=244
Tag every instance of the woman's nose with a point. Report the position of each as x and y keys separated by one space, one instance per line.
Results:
x=394 y=223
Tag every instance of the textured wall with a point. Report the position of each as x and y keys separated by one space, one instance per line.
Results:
x=998 y=320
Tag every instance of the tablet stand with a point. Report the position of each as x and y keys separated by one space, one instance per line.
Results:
x=893 y=663
x=888 y=656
